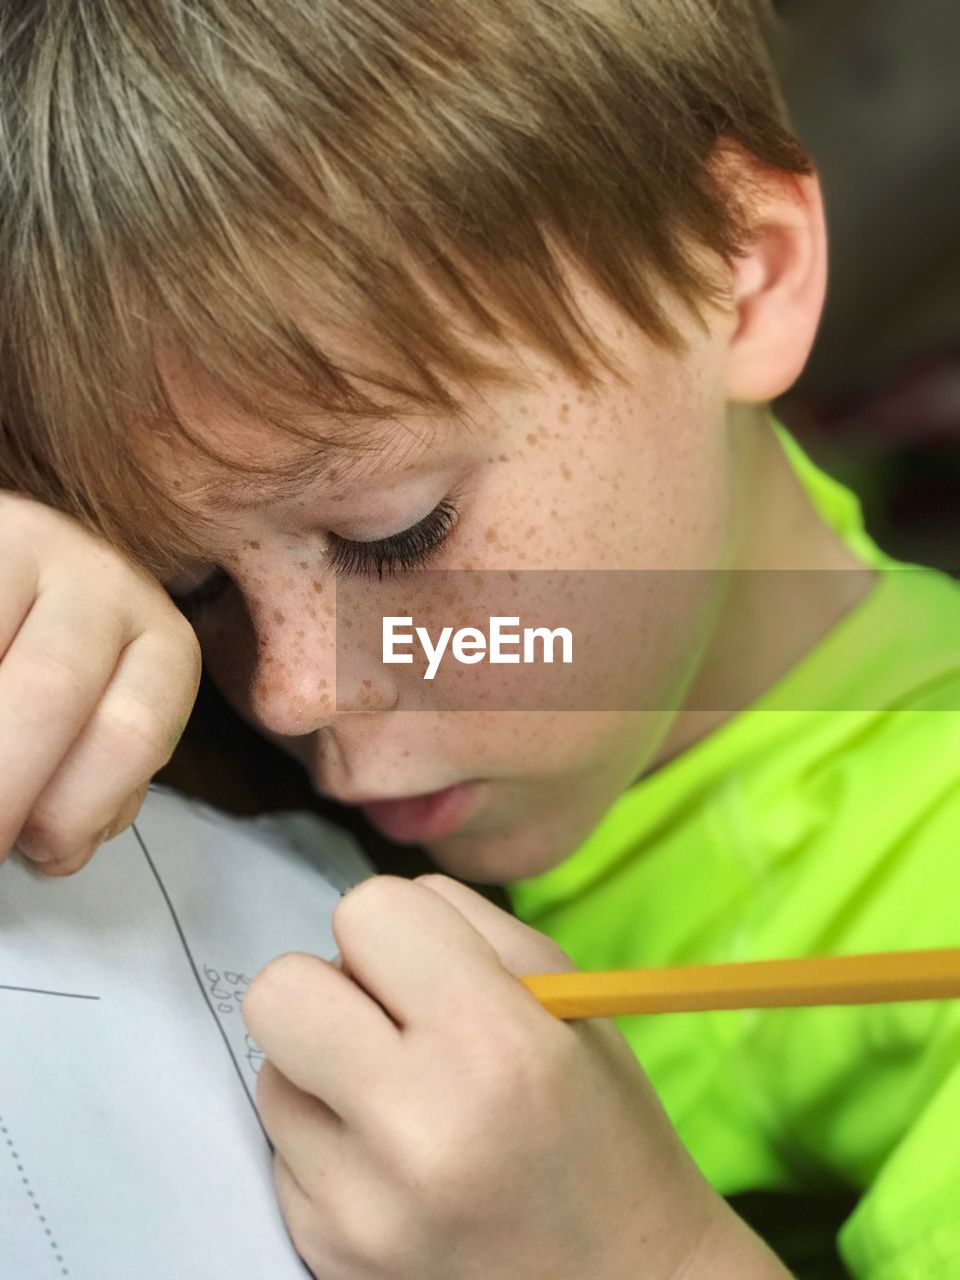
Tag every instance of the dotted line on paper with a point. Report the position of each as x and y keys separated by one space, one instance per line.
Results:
x=15 y=1156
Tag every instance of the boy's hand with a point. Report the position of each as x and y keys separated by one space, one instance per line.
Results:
x=433 y=1122
x=98 y=672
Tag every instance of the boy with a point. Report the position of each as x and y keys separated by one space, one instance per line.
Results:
x=299 y=290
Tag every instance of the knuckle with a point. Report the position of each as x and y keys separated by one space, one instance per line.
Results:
x=18 y=549
x=112 y=574
x=375 y=894
x=135 y=732
x=441 y=1149
x=363 y=1235
x=272 y=985
x=24 y=517
x=446 y=1168
x=436 y=1161
x=551 y=1085
x=52 y=677
x=516 y=1070
x=554 y=958
x=184 y=642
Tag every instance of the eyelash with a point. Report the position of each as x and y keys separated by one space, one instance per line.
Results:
x=399 y=553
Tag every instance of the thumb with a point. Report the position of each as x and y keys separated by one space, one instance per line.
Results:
x=520 y=949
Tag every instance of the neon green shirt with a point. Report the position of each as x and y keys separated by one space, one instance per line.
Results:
x=798 y=832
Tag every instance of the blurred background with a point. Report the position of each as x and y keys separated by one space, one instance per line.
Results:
x=874 y=89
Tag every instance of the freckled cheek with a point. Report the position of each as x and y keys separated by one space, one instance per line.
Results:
x=569 y=492
x=523 y=520
x=511 y=745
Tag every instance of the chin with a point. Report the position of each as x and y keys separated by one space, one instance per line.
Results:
x=497 y=859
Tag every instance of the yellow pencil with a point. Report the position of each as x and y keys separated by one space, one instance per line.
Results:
x=760 y=984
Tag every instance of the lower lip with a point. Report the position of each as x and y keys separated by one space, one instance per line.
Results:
x=421 y=818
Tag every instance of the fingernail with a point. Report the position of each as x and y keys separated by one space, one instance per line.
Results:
x=39 y=856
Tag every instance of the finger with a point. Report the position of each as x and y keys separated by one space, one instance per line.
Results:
x=418 y=956
x=291 y=1197
x=308 y=1219
x=129 y=736
x=344 y=1223
x=74 y=862
x=127 y=813
x=303 y=1129
x=52 y=676
x=19 y=594
x=321 y=1031
x=521 y=950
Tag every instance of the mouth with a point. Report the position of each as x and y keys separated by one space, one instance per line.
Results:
x=417 y=819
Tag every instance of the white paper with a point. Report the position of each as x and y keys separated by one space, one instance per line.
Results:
x=130 y=1147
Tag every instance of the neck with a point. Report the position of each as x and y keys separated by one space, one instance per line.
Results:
x=768 y=620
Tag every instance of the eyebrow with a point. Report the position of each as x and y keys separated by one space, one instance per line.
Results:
x=325 y=462
x=279 y=483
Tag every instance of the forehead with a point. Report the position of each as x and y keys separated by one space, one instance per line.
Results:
x=223 y=455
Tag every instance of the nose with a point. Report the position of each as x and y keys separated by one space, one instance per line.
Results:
x=292 y=684
x=293 y=688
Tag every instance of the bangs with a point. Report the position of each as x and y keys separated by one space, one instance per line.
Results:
x=330 y=207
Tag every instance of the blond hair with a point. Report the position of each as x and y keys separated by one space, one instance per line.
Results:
x=206 y=173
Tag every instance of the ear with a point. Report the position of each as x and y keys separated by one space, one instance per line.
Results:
x=778 y=285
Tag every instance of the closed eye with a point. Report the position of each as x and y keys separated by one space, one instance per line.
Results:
x=382 y=557
x=398 y=553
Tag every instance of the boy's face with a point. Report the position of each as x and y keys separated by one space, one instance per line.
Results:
x=636 y=474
